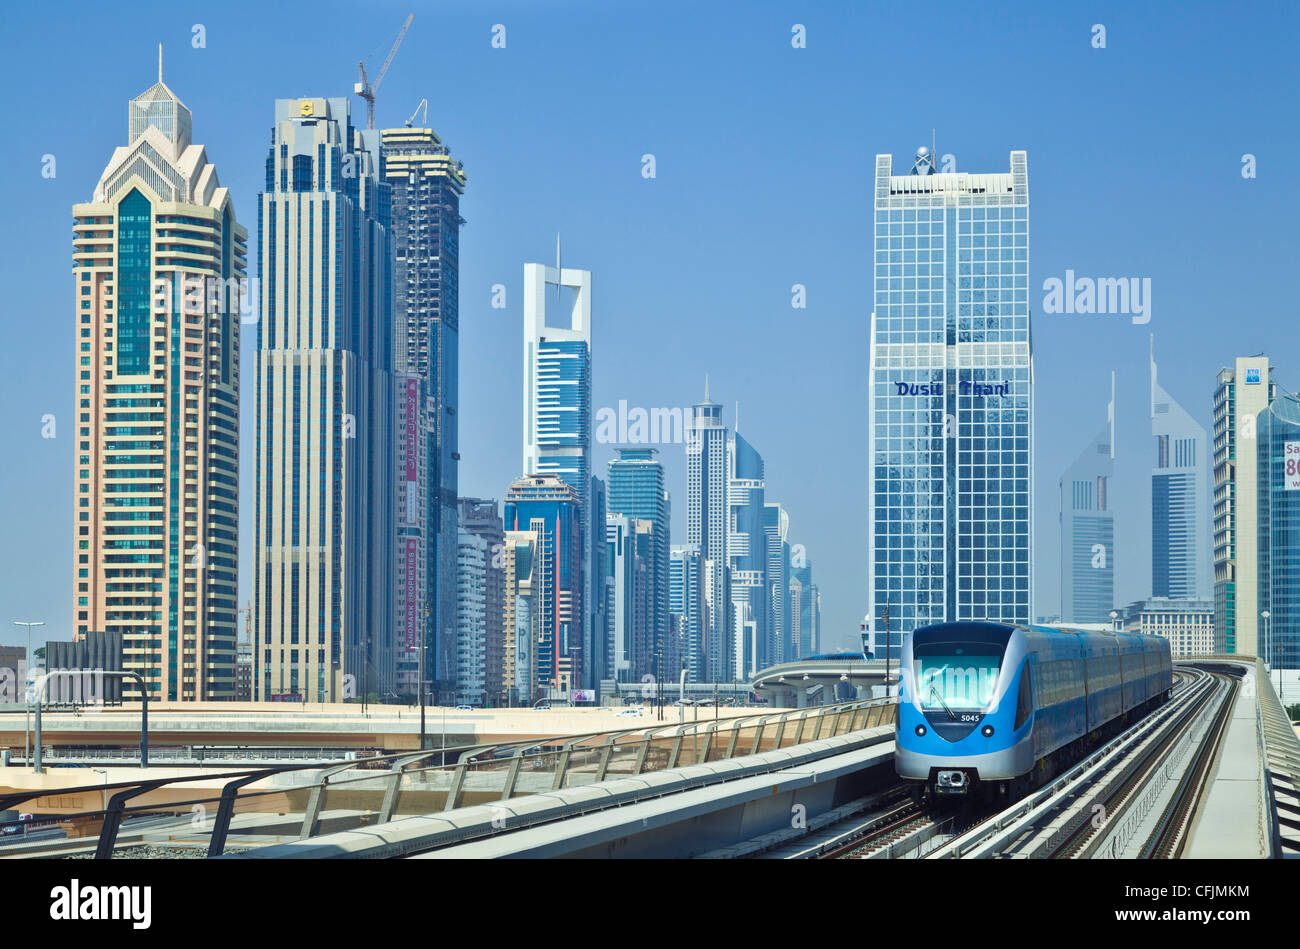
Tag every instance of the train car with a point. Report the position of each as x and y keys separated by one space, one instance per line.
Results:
x=993 y=710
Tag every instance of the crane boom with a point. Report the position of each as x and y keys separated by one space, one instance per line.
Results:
x=364 y=88
x=393 y=52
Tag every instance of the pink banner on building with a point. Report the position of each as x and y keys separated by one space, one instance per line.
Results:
x=412 y=597
x=412 y=418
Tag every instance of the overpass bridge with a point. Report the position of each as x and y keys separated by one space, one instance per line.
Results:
x=820 y=680
x=1215 y=772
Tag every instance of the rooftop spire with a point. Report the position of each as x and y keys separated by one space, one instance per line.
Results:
x=706 y=387
x=160 y=62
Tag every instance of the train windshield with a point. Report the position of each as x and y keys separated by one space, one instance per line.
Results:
x=956 y=666
x=959 y=680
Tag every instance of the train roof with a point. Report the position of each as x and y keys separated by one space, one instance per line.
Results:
x=1092 y=638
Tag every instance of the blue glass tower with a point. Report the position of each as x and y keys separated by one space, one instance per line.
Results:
x=557 y=407
x=1278 y=451
x=1181 y=555
x=747 y=556
x=1088 y=529
x=552 y=511
x=950 y=411
x=636 y=489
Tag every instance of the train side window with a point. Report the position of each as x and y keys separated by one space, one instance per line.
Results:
x=1025 y=701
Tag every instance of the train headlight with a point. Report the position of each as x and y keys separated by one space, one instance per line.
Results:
x=920 y=731
x=987 y=731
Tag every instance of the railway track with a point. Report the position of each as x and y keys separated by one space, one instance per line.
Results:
x=1097 y=807
x=1084 y=839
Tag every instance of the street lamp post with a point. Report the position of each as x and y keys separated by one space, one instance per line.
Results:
x=884 y=618
x=681 y=698
x=27 y=717
x=104 y=793
x=420 y=689
x=1269 y=659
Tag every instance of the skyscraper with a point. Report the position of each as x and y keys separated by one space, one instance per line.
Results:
x=620 y=566
x=1278 y=474
x=1180 y=522
x=596 y=634
x=480 y=517
x=1243 y=391
x=427 y=186
x=471 y=618
x=706 y=527
x=685 y=602
x=747 y=556
x=520 y=620
x=776 y=526
x=324 y=578
x=950 y=410
x=1088 y=528
x=157 y=259
x=636 y=489
x=810 y=607
x=557 y=401
x=551 y=510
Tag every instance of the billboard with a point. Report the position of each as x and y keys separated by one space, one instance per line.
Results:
x=582 y=695
x=1291 y=467
x=412 y=596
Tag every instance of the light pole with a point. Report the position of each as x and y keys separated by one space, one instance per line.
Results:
x=27 y=718
x=1269 y=659
x=104 y=793
x=423 y=631
x=884 y=618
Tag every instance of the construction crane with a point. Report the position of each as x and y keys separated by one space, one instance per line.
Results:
x=364 y=89
x=424 y=104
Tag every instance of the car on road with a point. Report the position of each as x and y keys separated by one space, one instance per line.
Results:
x=18 y=827
x=633 y=712
x=464 y=708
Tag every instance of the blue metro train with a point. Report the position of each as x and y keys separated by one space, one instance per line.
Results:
x=994 y=710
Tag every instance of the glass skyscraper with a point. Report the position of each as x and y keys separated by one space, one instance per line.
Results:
x=557 y=409
x=324 y=579
x=776 y=528
x=1180 y=513
x=636 y=489
x=427 y=185
x=747 y=556
x=551 y=509
x=1088 y=528
x=685 y=600
x=1278 y=430
x=950 y=410
x=706 y=527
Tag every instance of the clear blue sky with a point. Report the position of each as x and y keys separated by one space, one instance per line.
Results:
x=765 y=157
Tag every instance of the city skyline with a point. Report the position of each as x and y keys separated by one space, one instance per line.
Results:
x=1186 y=377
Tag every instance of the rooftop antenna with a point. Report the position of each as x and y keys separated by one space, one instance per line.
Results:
x=160 y=62
x=559 y=274
x=933 y=146
x=1110 y=414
